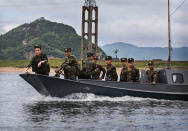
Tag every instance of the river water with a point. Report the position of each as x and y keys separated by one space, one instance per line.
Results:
x=23 y=109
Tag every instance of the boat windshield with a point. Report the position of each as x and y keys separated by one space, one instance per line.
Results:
x=177 y=78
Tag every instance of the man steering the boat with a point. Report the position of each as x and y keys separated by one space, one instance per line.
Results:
x=39 y=62
x=151 y=73
x=70 y=65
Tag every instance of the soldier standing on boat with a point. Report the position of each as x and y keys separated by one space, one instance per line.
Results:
x=151 y=73
x=133 y=73
x=39 y=62
x=88 y=67
x=111 y=74
x=98 y=70
x=70 y=66
x=124 y=70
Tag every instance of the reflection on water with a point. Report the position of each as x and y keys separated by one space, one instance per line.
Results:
x=22 y=108
x=137 y=115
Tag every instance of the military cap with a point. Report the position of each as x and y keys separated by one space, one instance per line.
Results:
x=130 y=60
x=150 y=63
x=123 y=59
x=108 y=58
x=89 y=54
x=67 y=49
x=37 y=46
x=95 y=58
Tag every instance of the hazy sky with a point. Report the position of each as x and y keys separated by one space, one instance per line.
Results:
x=140 y=22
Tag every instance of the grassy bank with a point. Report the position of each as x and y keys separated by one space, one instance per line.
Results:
x=24 y=63
x=57 y=62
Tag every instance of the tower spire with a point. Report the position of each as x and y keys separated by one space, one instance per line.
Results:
x=89 y=28
x=90 y=3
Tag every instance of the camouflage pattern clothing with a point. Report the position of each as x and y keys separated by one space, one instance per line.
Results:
x=88 y=69
x=123 y=74
x=70 y=67
x=97 y=72
x=57 y=72
x=152 y=75
x=111 y=74
x=45 y=67
x=133 y=75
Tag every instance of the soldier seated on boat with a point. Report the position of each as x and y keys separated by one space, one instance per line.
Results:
x=39 y=62
x=124 y=70
x=88 y=67
x=98 y=70
x=57 y=72
x=111 y=74
x=133 y=73
x=151 y=73
x=70 y=65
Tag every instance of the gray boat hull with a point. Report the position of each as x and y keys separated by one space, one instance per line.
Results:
x=55 y=87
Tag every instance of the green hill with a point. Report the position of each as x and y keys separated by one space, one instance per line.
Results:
x=53 y=37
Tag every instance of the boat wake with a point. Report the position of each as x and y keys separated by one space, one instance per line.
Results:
x=81 y=97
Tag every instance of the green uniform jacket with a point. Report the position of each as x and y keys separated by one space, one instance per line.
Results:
x=111 y=74
x=123 y=74
x=88 y=68
x=70 y=67
x=98 y=71
x=133 y=75
x=152 y=75
x=44 y=69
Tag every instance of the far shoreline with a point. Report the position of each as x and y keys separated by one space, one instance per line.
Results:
x=17 y=69
x=52 y=70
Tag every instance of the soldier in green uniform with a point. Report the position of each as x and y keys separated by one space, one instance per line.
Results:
x=98 y=70
x=151 y=73
x=39 y=62
x=88 y=67
x=70 y=66
x=133 y=73
x=58 y=72
x=124 y=70
x=111 y=74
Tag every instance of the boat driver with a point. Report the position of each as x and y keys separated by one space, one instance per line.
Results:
x=39 y=62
